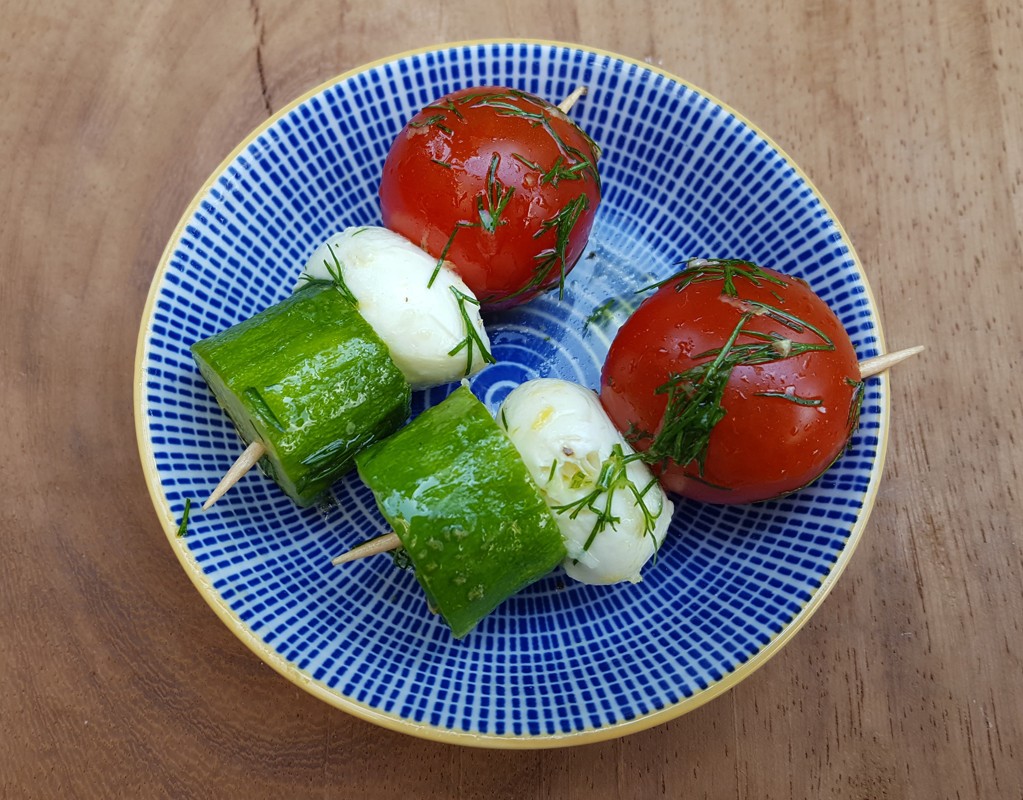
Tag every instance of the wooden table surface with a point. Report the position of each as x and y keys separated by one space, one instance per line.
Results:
x=118 y=681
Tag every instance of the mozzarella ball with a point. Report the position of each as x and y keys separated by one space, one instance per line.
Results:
x=422 y=325
x=612 y=512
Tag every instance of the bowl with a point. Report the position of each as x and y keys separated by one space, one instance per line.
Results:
x=560 y=663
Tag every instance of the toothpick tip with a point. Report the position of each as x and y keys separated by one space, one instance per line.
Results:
x=381 y=544
x=246 y=461
x=566 y=105
x=878 y=364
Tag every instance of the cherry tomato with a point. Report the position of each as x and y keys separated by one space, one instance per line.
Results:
x=499 y=183
x=737 y=383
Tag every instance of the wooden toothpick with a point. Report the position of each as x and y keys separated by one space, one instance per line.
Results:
x=246 y=461
x=255 y=451
x=382 y=544
x=566 y=105
x=878 y=364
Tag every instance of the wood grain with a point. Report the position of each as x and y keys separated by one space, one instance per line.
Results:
x=118 y=681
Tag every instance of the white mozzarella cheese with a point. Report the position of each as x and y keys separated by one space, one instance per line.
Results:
x=434 y=332
x=612 y=512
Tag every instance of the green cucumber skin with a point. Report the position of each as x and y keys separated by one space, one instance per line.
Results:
x=466 y=510
x=310 y=379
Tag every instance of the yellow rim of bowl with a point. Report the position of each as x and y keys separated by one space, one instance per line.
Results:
x=394 y=722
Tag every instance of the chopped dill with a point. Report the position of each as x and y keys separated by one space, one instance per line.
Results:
x=555 y=257
x=562 y=223
x=183 y=527
x=336 y=272
x=445 y=107
x=693 y=408
x=492 y=201
x=793 y=398
x=472 y=339
x=543 y=120
x=602 y=314
x=613 y=476
x=434 y=121
x=703 y=270
x=560 y=171
x=444 y=253
x=859 y=390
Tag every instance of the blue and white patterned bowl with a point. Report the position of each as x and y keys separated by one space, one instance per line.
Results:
x=561 y=663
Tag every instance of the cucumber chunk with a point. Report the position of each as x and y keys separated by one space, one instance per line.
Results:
x=310 y=379
x=468 y=515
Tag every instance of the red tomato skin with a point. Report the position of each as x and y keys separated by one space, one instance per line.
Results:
x=437 y=172
x=764 y=447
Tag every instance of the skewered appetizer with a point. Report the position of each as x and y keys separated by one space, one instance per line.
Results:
x=752 y=347
x=519 y=185
x=500 y=183
x=484 y=508
x=326 y=372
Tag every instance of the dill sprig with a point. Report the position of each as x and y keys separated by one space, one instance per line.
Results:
x=559 y=171
x=694 y=407
x=472 y=339
x=434 y=120
x=726 y=270
x=183 y=527
x=444 y=252
x=336 y=272
x=859 y=391
x=562 y=223
x=613 y=477
x=491 y=202
x=542 y=119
